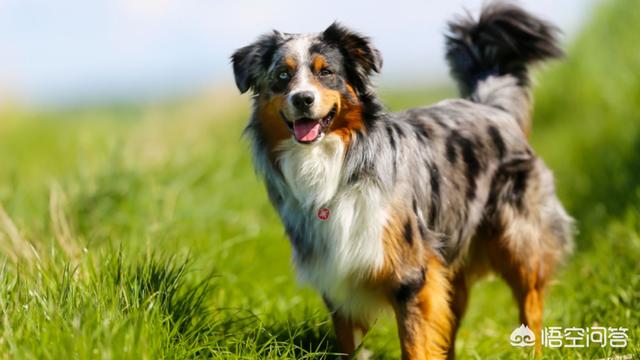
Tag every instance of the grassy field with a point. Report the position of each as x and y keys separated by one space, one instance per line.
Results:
x=142 y=232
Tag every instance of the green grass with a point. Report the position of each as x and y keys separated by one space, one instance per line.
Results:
x=142 y=231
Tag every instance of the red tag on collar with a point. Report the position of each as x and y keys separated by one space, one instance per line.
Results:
x=323 y=213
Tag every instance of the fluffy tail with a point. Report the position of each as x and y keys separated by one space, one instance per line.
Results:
x=489 y=57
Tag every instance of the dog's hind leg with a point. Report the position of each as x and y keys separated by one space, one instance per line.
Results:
x=529 y=235
x=526 y=285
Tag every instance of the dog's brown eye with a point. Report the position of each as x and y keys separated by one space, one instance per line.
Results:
x=283 y=75
x=325 y=72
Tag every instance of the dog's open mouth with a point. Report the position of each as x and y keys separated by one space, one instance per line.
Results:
x=307 y=130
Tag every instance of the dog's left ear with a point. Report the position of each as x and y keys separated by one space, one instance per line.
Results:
x=251 y=62
x=361 y=57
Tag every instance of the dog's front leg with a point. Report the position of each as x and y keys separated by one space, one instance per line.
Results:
x=349 y=334
x=423 y=314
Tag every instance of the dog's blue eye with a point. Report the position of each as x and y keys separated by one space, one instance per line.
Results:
x=283 y=75
x=325 y=72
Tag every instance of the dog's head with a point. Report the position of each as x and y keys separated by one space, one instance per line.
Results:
x=309 y=84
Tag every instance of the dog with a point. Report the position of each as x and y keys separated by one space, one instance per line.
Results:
x=406 y=210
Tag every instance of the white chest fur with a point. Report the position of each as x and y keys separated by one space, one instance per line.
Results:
x=352 y=232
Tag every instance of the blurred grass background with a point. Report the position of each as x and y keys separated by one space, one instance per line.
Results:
x=141 y=231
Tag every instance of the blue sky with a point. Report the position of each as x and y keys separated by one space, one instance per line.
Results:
x=75 y=50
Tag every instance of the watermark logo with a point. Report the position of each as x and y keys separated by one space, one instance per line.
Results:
x=571 y=337
x=522 y=337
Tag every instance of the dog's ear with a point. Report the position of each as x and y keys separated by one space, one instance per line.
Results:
x=361 y=57
x=251 y=62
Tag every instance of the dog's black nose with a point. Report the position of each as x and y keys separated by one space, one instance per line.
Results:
x=303 y=100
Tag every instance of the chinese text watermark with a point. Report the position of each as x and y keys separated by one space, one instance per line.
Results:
x=571 y=337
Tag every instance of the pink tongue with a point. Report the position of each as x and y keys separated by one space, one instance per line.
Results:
x=306 y=130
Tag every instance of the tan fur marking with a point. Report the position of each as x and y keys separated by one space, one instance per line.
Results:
x=394 y=250
x=318 y=63
x=348 y=117
x=290 y=63
x=271 y=122
x=424 y=321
